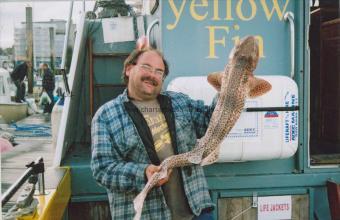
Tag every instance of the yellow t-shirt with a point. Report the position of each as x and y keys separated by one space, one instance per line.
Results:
x=173 y=189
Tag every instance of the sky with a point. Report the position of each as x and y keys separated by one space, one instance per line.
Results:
x=13 y=13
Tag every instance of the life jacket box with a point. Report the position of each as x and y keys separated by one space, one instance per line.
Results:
x=258 y=135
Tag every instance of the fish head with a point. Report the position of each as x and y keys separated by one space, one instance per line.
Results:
x=247 y=55
x=247 y=50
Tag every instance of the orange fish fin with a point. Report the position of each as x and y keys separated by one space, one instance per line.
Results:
x=258 y=87
x=215 y=79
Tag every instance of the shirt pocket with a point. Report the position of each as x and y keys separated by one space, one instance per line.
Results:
x=127 y=140
x=134 y=149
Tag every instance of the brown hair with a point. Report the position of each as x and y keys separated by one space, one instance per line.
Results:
x=133 y=57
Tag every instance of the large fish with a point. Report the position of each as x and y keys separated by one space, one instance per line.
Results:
x=234 y=84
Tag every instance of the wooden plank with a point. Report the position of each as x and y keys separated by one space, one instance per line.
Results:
x=89 y=211
x=300 y=204
x=229 y=208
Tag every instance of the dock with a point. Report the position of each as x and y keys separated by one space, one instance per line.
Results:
x=33 y=136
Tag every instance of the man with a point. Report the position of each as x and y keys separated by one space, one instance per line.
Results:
x=18 y=75
x=48 y=85
x=133 y=133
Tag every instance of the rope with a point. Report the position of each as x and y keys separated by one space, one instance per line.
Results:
x=23 y=127
x=241 y=213
x=31 y=130
x=15 y=212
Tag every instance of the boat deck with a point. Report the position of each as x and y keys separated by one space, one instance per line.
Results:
x=33 y=135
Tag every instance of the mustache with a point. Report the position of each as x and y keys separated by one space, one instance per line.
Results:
x=150 y=79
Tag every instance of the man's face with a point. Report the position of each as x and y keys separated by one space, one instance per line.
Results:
x=146 y=77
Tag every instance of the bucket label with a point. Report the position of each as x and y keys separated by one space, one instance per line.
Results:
x=290 y=119
x=248 y=124
x=271 y=120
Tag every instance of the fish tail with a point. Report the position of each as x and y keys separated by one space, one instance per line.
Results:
x=140 y=198
x=138 y=204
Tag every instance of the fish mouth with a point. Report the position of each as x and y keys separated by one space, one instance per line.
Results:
x=248 y=49
x=247 y=46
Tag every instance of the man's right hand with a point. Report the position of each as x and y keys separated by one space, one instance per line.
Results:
x=151 y=169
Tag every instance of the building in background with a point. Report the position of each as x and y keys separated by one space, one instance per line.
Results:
x=48 y=41
x=6 y=62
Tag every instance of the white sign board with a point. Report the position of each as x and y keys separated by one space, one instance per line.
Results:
x=274 y=207
x=118 y=29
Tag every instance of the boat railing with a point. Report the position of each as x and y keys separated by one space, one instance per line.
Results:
x=34 y=169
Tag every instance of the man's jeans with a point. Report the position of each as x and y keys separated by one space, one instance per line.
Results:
x=48 y=108
x=21 y=90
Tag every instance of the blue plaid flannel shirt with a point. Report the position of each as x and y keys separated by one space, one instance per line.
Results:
x=119 y=157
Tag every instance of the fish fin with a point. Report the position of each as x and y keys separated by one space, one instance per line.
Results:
x=211 y=158
x=258 y=87
x=215 y=79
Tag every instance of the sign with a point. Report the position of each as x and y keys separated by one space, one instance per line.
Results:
x=118 y=29
x=274 y=207
x=226 y=18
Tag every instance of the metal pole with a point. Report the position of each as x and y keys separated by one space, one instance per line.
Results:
x=35 y=167
x=91 y=76
x=68 y=26
x=290 y=17
x=29 y=43
x=41 y=183
x=16 y=186
x=51 y=30
x=40 y=169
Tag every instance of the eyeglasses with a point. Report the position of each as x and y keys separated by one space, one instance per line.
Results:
x=149 y=69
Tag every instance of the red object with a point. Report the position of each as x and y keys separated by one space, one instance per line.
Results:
x=5 y=145
x=333 y=191
x=142 y=43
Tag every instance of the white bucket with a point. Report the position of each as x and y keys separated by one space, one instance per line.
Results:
x=261 y=135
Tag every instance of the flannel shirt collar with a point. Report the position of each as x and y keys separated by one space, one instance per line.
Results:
x=126 y=98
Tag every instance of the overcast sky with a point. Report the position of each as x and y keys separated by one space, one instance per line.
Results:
x=13 y=13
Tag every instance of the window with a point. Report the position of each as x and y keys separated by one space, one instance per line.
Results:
x=324 y=42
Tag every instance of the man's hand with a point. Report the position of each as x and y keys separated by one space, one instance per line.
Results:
x=151 y=169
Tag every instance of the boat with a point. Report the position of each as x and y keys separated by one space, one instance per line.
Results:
x=277 y=163
x=9 y=111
